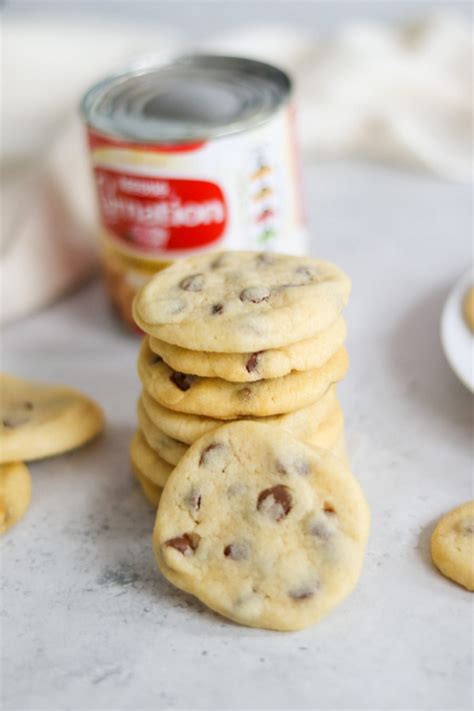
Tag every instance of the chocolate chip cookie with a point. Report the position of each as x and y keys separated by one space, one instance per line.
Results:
x=262 y=528
x=188 y=428
x=452 y=545
x=326 y=434
x=168 y=448
x=145 y=460
x=221 y=399
x=39 y=421
x=241 y=302
x=151 y=491
x=248 y=367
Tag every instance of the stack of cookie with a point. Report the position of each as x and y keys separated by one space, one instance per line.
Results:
x=232 y=336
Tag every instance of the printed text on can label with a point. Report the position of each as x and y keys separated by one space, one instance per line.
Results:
x=164 y=213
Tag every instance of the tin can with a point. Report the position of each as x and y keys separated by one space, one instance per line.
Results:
x=192 y=155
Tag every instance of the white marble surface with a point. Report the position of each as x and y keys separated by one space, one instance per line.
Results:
x=88 y=622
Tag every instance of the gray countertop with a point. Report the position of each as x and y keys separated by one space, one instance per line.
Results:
x=89 y=623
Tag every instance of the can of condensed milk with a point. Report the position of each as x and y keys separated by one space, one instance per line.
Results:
x=195 y=154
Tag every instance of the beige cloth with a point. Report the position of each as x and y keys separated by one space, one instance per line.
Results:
x=402 y=95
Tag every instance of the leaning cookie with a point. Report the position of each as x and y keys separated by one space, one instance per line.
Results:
x=248 y=367
x=452 y=545
x=262 y=528
x=15 y=493
x=38 y=421
x=241 y=302
x=219 y=398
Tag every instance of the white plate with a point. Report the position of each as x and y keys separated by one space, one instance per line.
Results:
x=457 y=339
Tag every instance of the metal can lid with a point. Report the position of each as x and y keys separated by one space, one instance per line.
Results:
x=192 y=98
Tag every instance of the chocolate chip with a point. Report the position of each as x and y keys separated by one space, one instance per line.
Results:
x=194 y=282
x=466 y=526
x=183 y=381
x=237 y=489
x=255 y=294
x=185 y=544
x=237 y=551
x=305 y=272
x=217 y=308
x=175 y=307
x=218 y=262
x=320 y=530
x=304 y=592
x=275 y=502
x=302 y=467
x=289 y=285
x=194 y=500
x=210 y=451
x=155 y=358
x=12 y=422
x=264 y=258
x=252 y=362
x=280 y=467
x=293 y=465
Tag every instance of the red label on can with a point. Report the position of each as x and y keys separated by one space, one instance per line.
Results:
x=160 y=213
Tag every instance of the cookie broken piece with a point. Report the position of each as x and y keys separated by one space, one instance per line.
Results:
x=15 y=493
x=38 y=421
x=263 y=529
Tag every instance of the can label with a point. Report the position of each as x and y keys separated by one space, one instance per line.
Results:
x=163 y=213
x=240 y=191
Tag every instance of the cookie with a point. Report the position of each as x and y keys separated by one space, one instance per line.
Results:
x=262 y=528
x=241 y=302
x=452 y=545
x=39 y=421
x=188 y=428
x=468 y=308
x=222 y=399
x=248 y=367
x=151 y=491
x=339 y=448
x=15 y=493
x=147 y=461
x=168 y=448
x=326 y=435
